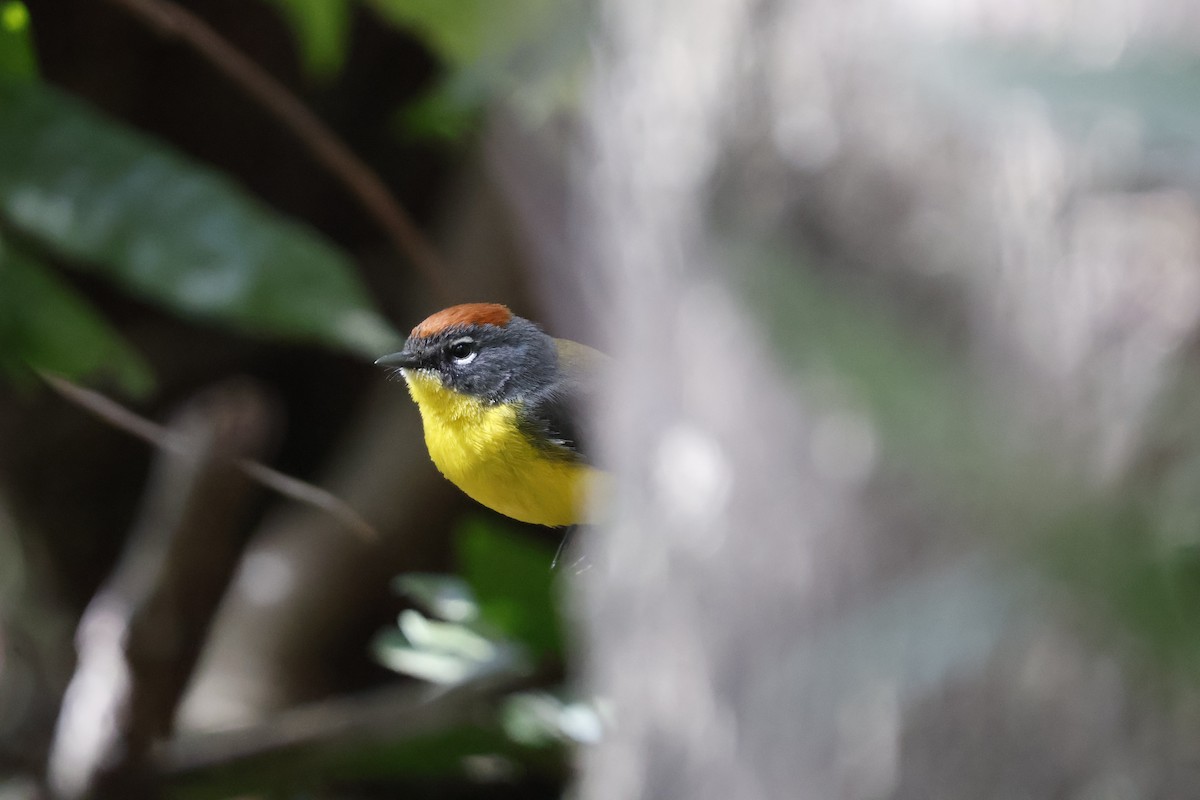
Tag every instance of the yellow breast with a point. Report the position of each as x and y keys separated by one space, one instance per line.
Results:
x=479 y=448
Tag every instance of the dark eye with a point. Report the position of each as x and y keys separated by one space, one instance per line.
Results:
x=463 y=350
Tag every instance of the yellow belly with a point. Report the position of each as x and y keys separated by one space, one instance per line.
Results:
x=480 y=450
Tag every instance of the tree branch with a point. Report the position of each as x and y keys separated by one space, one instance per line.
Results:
x=140 y=636
x=173 y=21
x=120 y=417
x=388 y=715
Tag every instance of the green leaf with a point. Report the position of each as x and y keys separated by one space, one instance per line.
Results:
x=529 y=53
x=46 y=325
x=17 y=60
x=447 y=113
x=472 y=32
x=446 y=597
x=539 y=719
x=1113 y=552
x=513 y=583
x=445 y=652
x=171 y=231
x=467 y=31
x=322 y=27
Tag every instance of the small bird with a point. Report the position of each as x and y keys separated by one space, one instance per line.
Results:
x=499 y=400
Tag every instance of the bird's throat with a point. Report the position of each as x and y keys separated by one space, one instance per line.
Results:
x=440 y=403
x=480 y=448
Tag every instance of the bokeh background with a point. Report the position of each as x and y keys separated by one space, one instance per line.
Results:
x=903 y=298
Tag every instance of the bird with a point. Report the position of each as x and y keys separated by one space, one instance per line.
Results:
x=500 y=403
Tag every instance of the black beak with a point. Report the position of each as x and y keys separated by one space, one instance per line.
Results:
x=402 y=359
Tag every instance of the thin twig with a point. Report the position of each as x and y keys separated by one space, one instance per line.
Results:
x=120 y=417
x=140 y=638
x=142 y=633
x=172 y=20
x=389 y=715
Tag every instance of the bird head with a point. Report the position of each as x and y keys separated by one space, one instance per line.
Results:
x=478 y=349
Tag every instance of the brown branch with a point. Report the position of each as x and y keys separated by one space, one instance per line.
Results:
x=140 y=637
x=388 y=715
x=120 y=417
x=171 y=20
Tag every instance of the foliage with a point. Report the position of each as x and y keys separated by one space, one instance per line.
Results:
x=115 y=203
x=44 y=322
x=17 y=59
x=512 y=578
x=495 y=619
x=86 y=191
x=526 y=53
x=321 y=28
x=500 y=616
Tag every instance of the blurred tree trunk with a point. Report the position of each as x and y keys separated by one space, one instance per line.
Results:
x=897 y=352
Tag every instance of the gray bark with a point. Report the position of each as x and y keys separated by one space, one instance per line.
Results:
x=895 y=333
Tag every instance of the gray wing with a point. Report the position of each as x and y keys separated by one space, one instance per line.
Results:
x=553 y=416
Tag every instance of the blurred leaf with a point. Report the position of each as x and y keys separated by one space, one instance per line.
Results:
x=45 y=324
x=447 y=637
x=17 y=61
x=445 y=652
x=448 y=112
x=465 y=32
x=321 y=27
x=530 y=53
x=541 y=719
x=513 y=583
x=394 y=651
x=447 y=597
x=170 y=230
x=1113 y=552
x=456 y=644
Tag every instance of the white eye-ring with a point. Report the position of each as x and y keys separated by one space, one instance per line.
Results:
x=463 y=350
